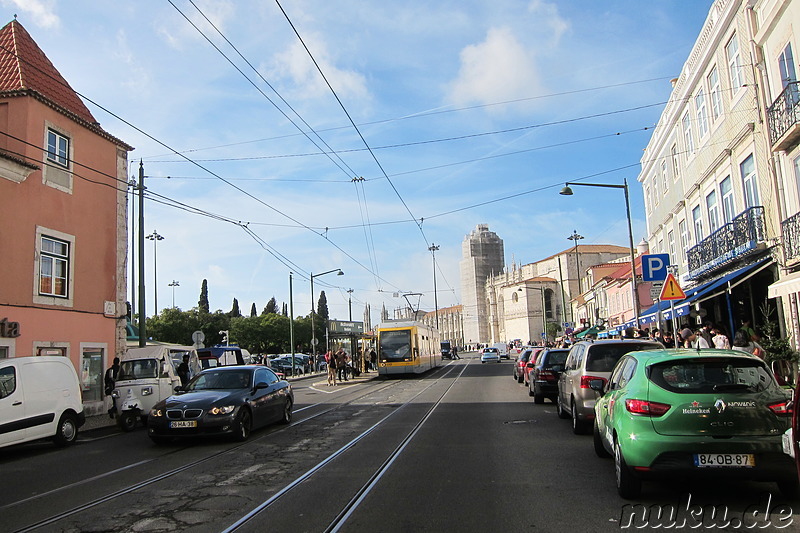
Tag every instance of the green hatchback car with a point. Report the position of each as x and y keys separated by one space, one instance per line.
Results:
x=681 y=413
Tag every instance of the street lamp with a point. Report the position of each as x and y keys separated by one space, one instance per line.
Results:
x=433 y=248
x=155 y=237
x=544 y=309
x=350 y=303
x=567 y=191
x=291 y=322
x=173 y=285
x=575 y=237
x=313 y=332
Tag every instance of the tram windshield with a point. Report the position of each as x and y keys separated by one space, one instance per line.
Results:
x=395 y=345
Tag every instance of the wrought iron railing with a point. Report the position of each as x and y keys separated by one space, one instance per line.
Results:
x=731 y=241
x=790 y=231
x=784 y=113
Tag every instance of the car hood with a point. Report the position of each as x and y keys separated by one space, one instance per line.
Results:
x=201 y=398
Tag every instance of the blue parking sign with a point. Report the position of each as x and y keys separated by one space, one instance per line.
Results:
x=654 y=267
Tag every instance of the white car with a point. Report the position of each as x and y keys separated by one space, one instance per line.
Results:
x=490 y=355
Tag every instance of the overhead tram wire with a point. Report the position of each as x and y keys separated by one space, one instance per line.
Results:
x=352 y=122
x=168 y=147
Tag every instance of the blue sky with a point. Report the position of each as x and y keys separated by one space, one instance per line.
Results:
x=466 y=112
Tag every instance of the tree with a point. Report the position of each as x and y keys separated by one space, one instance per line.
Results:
x=235 y=312
x=203 y=303
x=253 y=311
x=285 y=310
x=322 y=307
x=272 y=307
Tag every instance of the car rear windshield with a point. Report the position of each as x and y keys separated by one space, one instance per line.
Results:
x=711 y=375
x=555 y=357
x=603 y=357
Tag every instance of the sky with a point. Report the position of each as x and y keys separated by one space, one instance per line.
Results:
x=311 y=135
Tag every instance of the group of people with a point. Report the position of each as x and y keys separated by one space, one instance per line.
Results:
x=338 y=366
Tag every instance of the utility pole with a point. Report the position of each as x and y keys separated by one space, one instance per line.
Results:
x=350 y=303
x=433 y=247
x=142 y=312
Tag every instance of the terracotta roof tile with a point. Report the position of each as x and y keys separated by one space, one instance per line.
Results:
x=23 y=66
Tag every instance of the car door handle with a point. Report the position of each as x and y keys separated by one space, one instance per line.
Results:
x=17 y=403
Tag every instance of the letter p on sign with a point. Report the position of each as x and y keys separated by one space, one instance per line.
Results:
x=654 y=267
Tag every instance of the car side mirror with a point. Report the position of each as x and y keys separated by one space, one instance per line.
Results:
x=597 y=385
x=530 y=365
x=262 y=385
x=178 y=388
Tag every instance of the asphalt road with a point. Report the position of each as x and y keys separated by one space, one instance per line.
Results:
x=462 y=448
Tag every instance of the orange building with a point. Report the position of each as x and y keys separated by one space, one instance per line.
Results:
x=63 y=184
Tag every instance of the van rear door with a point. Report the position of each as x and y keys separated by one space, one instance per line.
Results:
x=12 y=406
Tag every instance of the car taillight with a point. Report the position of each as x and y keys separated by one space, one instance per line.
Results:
x=643 y=407
x=586 y=379
x=781 y=409
x=547 y=375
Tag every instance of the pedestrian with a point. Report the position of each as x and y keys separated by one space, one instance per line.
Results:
x=687 y=337
x=341 y=364
x=373 y=359
x=112 y=374
x=743 y=343
x=705 y=334
x=455 y=353
x=183 y=370
x=751 y=333
x=721 y=341
x=331 y=360
x=668 y=340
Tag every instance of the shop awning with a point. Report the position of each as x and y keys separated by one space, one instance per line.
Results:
x=785 y=286
x=591 y=331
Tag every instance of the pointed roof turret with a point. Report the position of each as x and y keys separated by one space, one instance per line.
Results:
x=24 y=67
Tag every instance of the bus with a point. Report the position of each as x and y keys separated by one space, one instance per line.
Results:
x=407 y=347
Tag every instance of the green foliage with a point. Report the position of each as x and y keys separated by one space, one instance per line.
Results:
x=552 y=330
x=778 y=348
x=253 y=311
x=272 y=307
x=203 y=302
x=322 y=307
x=235 y=312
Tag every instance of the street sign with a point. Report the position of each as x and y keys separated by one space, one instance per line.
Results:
x=567 y=324
x=654 y=267
x=672 y=290
x=655 y=289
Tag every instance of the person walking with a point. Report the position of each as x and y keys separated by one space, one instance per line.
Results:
x=183 y=370
x=331 y=360
x=721 y=341
x=341 y=364
x=455 y=353
x=112 y=374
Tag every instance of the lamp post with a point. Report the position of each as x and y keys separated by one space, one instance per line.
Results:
x=350 y=303
x=433 y=248
x=575 y=237
x=291 y=322
x=544 y=309
x=567 y=191
x=313 y=332
x=173 y=285
x=155 y=237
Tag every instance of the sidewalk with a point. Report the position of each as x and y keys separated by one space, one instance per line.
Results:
x=105 y=421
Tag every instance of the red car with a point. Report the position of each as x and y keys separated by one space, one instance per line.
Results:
x=520 y=367
x=537 y=350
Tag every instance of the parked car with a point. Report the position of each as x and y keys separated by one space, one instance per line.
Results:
x=40 y=397
x=537 y=350
x=284 y=365
x=502 y=349
x=490 y=355
x=228 y=400
x=588 y=360
x=681 y=414
x=519 y=365
x=544 y=373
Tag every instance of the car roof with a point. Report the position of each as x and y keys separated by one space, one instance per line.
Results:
x=231 y=368
x=673 y=354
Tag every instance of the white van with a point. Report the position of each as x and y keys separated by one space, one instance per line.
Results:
x=502 y=349
x=40 y=397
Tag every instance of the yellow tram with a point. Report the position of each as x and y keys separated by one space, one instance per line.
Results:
x=407 y=347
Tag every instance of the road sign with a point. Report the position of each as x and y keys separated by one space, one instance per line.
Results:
x=672 y=290
x=655 y=289
x=654 y=267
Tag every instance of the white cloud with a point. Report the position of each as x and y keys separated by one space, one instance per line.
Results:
x=549 y=15
x=500 y=68
x=42 y=11
x=176 y=30
x=294 y=63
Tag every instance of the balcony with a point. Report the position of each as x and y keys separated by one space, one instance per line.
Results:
x=790 y=230
x=783 y=117
x=743 y=236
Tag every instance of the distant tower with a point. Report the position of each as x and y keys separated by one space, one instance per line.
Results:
x=481 y=256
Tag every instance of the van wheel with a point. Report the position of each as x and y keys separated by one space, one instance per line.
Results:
x=67 y=430
x=560 y=409
x=126 y=421
x=578 y=425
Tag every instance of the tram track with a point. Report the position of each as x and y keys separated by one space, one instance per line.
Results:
x=134 y=487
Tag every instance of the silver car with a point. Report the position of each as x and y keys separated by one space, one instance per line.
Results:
x=490 y=355
x=588 y=360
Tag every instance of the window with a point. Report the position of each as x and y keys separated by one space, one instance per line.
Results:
x=687 y=133
x=734 y=63
x=8 y=381
x=51 y=350
x=697 y=222
x=684 y=231
x=57 y=148
x=648 y=200
x=702 y=112
x=91 y=374
x=664 y=178
x=748 y=171
x=714 y=94
x=660 y=245
x=728 y=205
x=797 y=174
x=788 y=74
x=656 y=192
x=713 y=211
x=671 y=244
x=676 y=168
x=53 y=267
